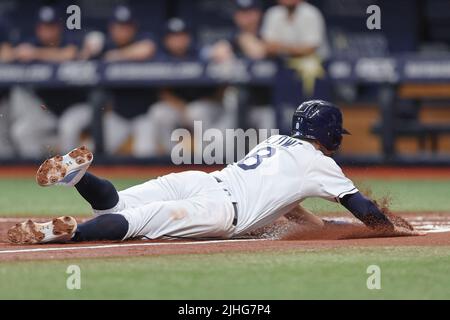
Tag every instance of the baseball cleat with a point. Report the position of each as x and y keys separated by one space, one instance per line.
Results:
x=58 y=230
x=65 y=170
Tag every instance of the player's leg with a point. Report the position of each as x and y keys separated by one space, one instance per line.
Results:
x=70 y=170
x=195 y=206
x=203 y=209
x=32 y=126
x=104 y=227
x=187 y=204
x=99 y=193
x=141 y=131
x=207 y=112
x=63 y=229
x=116 y=130
x=72 y=123
x=163 y=118
x=182 y=204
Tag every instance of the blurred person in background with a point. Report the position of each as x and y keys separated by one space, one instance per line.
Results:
x=6 y=52
x=295 y=31
x=246 y=42
x=126 y=42
x=246 y=39
x=35 y=113
x=5 y=56
x=125 y=114
x=180 y=106
x=294 y=28
x=49 y=43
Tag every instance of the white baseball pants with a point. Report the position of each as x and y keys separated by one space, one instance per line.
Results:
x=190 y=204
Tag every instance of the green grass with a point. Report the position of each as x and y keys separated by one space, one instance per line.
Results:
x=406 y=273
x=22 y=197
x=405 y=195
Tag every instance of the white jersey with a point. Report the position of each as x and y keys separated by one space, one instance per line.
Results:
x=278 y=174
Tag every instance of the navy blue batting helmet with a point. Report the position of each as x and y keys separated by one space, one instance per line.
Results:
x=319 y=120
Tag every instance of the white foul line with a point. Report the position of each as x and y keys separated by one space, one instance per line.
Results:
x=123 y=245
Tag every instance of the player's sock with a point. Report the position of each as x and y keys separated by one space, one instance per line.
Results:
x=100 y=193
x=104 y=227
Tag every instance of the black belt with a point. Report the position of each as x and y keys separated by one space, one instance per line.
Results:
x=235 y=219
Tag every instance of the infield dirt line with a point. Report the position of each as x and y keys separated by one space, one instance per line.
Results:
x=123 y=245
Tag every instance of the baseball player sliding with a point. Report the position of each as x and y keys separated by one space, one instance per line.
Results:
x=270 y=182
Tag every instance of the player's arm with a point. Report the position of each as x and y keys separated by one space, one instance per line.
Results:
x=252 y=46
x=371 y=215
x=302 y=215
x=139 y=51
x=366 y=210
x=56 y=54
x=6 y=52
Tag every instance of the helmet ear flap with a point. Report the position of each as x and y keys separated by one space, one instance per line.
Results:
x=335 y=139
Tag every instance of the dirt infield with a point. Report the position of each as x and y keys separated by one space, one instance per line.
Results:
x=339 y=231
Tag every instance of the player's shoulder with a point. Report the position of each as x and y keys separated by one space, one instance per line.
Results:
x=326 y=163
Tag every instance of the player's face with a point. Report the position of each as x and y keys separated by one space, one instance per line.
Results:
x=177 y=43
x=49 y=34
x=247 y=20
x=122 y=33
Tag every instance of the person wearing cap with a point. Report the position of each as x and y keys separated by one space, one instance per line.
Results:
x=5 y=56
x=245 y=42
x=180 y=106
x=294 y=28
x=125 y=116
x=35 y=112
x=177 y=43
x=6 y=52
x=49 y=43
x=126 y=42
x=125 y=112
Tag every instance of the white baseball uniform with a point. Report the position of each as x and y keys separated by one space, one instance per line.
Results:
x=272 y=179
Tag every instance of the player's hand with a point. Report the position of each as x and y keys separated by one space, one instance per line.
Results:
x=222 y=52
x=402 y=231
x=398 y=231
x=25 y=52
x=113 y=56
